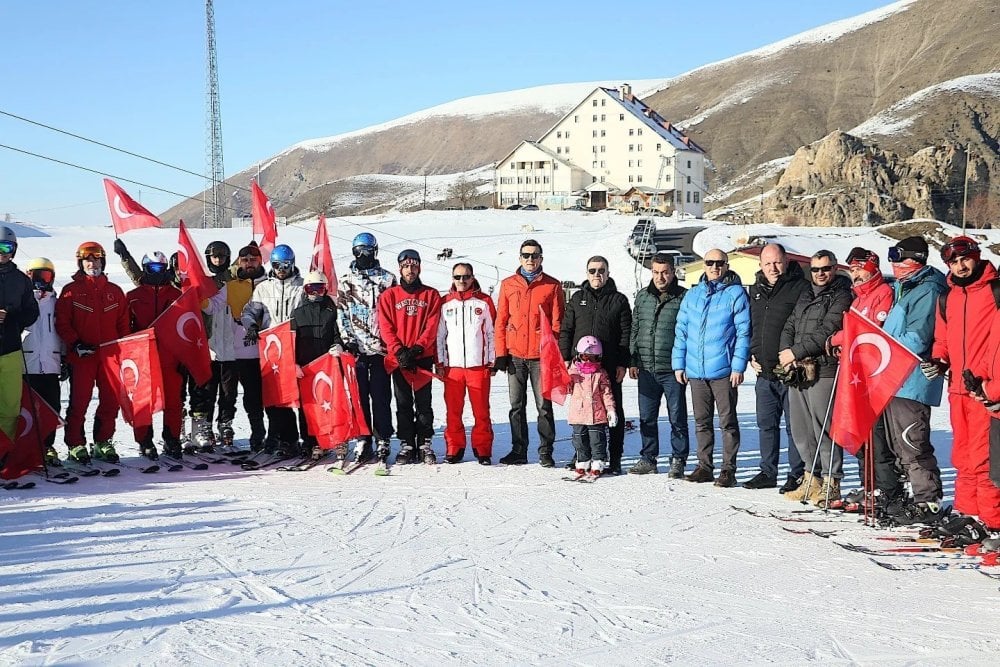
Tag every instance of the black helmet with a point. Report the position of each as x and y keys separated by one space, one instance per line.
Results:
x=218 y=249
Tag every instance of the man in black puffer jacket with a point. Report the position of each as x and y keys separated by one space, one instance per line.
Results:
x=818 y=315
x=598 y=309
x=773 y=296
x=654 y=319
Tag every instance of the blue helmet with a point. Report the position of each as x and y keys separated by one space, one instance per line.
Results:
x=282 y=253
x=365 y=239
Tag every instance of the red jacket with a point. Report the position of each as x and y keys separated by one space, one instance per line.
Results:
x=91 y=311
x=147 y=302
x=407 y=318
x=989 y=363
x=961 y=338
x=518 y=325
x=873 y=299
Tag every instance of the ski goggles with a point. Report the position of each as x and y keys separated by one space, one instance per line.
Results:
x=44 y=276
x=7 y=247
x=249 y=251
x=155 y=268
x=586 y=356
x=314 y=289
x=90 y=252
x=363 y=250
x=408 y=258
x=282 y=265
x=958 y=248
x=897 y=254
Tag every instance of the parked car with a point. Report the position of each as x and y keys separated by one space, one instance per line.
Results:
x=479 y=207
x=577 y=207
x=529 y=207
x=514 y=207
x=641 y=249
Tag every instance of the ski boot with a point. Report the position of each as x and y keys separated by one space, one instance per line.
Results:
x=427 y=453
x=52 y=457
x=316 y=453
x=340 y=454
x=79 y=454
x=406 y=452
x=105 y=451
x=363 y=450
x=382 y=451
x=172 y=448
x=204 y=438
x=257 y=444
x=226 y=434
x=148 y=449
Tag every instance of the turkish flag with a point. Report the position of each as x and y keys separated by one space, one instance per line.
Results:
x=191 y=267
x=419 y=377
x=132 y=366
x=555 y=377
x=126 y=213
x=322 y=257
x=329 y=393
x=180 y=329
x=873 y=366
x=277 y=366
x=263 y=222
x=36 y=421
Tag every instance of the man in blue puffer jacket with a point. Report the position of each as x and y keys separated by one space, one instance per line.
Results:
x=711 y=352
x=911 y=321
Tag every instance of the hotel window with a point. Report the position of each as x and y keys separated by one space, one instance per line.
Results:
x=512 y=165
x=639 y=178
x=639 y=148
x=689 y=179
x=603 y=164
x=659 y=147
x=567 y=150
x=631 y=132
x=594 y=118
x=602 y=149
x=558 y=150
x=629 y=179
x=603 y=101
x=603 y=133
x=630 y=163
x=595 y=148
x=621 y=116
x=576 y=119
x=567 y=134
x=638 y=163
x=689 y=164
x=602 y=117
x=640 y=131
x=593 y=179
x=631 y=147
x=689 y=196
x=696 y=193
x=595 y=133
x=558 y=135
x=594 y=165
x=594 y=101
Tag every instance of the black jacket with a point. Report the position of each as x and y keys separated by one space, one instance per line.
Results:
x=18 y=299
x=817 y=317
x=770 y=307
x=316 y=330
x=604 y=314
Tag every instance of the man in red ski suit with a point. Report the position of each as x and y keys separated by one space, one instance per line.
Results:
x=960 y=343
x=91 y=310
x=146 y=302
x=465 y=354
x=408 y=323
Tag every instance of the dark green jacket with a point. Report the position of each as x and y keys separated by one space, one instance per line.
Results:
x=654 y=318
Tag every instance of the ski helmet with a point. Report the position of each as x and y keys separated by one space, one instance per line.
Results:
x=589 y=345
x=42 y=272
x=282 y=253
x=92 y=250
x=9 y=238
x=155 y=262
x=408 y=255
x=315 y=278
x=365 y=240
x=217 y=249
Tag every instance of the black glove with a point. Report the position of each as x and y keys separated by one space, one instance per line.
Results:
x=404 y=358
x=352 y=348
x=502 y=363
x=973 y=385
x=84 y=350
x=417 y=351
x=63 y=371
x=933 y=368
x=253 y=335
x=120 y=248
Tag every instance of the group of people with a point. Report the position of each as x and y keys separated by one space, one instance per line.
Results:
x=786 y=325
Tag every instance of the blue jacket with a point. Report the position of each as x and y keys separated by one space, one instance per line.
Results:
x=911 y=322
x=712 y=338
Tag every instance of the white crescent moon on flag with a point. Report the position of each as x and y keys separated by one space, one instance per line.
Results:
x=184 y=319
x=879 y=343
x=272 y=339
x=118 y=208
x=181 y=250
x=29 y=423
x=325 y=379
x=129 y=363
x=317 y=249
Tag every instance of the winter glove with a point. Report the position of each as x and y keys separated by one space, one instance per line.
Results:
x=336 y=350
x=253 y=335
x=404 y=358
x=933 y=368
x=973 y=385
x=84 y=350
x=353 y=348
x=63 y=371
x=502 y=364
x=417 y=351
x=612 y=420
x=120 y=248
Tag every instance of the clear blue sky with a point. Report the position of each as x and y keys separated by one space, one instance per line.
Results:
x=132 y=74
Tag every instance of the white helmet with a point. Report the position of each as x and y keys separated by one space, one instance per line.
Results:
x=315 y=278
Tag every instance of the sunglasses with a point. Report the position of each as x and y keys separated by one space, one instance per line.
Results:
x=821 y=269
x=952 y=251
x=589 y=357
x=716 y=262
x=462 y=276
x=7 y=247
x=531 y=255
x=597 y=272
x=282 y=265
x=314 y=289
x=897 y=255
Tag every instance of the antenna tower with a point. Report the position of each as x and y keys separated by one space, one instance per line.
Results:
x=215 y=201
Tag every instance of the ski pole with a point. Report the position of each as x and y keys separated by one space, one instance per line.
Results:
x=829 y=408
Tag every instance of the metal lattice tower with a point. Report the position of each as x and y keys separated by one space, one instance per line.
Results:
x=215 y=197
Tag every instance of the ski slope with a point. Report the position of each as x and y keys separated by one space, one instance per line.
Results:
x=460 y=564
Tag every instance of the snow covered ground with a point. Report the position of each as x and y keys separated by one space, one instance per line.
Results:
x=460 y=564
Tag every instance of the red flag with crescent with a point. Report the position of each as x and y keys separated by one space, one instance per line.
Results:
x=265 y=231
x=180 y=329
x=555 y=377
x=126 y=213
x=35 y=422
x=277 y=366
x=322 y=257
x=192 y=267
x=330 y=399
x=132 y=366
x=873 y=366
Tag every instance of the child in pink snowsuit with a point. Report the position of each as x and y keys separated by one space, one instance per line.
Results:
x=591 y=407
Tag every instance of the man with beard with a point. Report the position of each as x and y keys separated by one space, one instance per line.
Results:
x=773 y=296
x=598 y=309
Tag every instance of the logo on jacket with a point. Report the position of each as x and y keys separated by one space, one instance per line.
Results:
x=410 y=306
x=479 y=311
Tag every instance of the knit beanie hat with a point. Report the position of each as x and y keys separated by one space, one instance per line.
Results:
x=915 y=248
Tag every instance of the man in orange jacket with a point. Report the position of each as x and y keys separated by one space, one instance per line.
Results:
x=518 y=341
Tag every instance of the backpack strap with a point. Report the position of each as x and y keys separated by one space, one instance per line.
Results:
x=943 y=298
